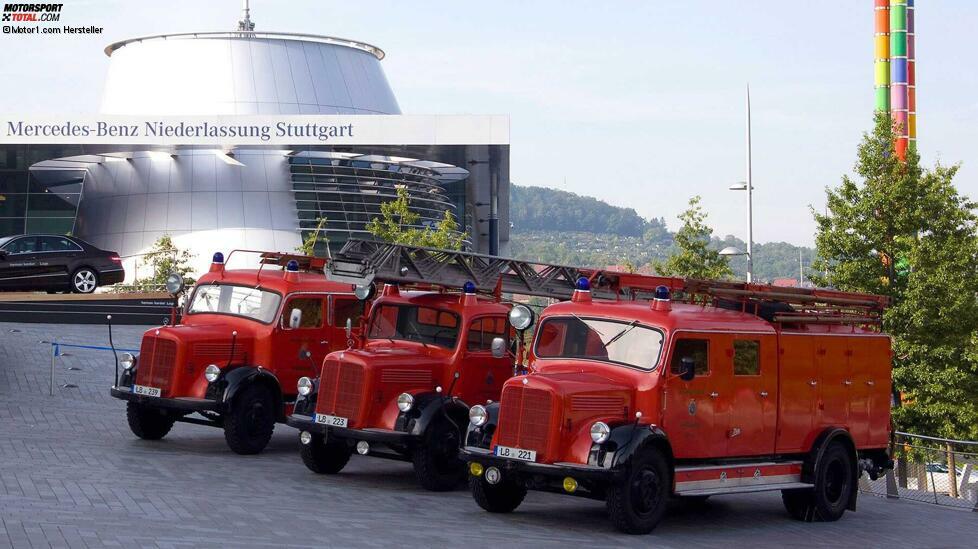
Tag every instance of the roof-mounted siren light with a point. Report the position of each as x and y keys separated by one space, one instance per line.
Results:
x=292 y=270
x=582 y=291
x=468 y=293
x=662 y=300
x=390 y=290
x=217 y=263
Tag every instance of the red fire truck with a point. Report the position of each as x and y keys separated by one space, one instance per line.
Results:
x=426 y=356
x=246 y=336
x=728 y=388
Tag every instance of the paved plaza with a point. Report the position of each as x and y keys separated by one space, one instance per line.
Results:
x=72 y=475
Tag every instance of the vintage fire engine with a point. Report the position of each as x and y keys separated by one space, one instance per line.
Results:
x=246 y=336
x=728 y=388
x=425 y=358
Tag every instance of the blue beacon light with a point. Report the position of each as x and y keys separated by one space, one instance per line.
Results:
x=583 y=284
x=469 y=287
x=218 y=257
x=292 y=266
x=662 y=293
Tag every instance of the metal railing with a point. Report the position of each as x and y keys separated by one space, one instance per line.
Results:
x=931 y=470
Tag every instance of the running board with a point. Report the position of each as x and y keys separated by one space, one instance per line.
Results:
x=735 y=478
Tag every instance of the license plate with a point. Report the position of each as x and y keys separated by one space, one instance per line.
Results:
x=515 y=453
x=331 y=421
x=146 y=391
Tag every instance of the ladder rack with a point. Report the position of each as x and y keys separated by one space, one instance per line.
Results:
x=365 y=261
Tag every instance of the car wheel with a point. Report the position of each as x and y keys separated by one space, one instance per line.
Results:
x=249 y=424
x=148 y=423
x=637 y=501
x=84 y=281
x=325 y=457
x=436 y=462
x=828 y=499
x=503 y=497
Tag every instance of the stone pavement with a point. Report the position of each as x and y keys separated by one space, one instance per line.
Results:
x=72 y=475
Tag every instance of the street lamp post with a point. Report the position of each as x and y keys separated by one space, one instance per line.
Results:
x=746 y=186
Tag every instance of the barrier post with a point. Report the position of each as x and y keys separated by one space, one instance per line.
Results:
x=892 y=492
x=54 y=355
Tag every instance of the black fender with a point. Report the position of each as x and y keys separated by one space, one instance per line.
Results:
x=243 y=376
x=627 y=441
x=428 y=406
x=814 y=459
x=481 y=437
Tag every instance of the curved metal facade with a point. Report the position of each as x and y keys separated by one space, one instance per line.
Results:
x=245 y=73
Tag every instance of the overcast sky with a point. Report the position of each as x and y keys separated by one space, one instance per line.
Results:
x=637 y=103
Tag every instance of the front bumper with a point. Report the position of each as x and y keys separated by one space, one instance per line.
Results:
x=185 y=404
x=383 y=436
x=528 y=468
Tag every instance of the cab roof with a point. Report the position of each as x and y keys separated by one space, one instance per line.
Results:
x=451 y=301
x=274 y=279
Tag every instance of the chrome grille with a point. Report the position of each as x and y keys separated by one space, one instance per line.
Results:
x=341 y=391
x=157 y=358
x=524 y=419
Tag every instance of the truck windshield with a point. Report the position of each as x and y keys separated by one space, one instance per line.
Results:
x=614 y=341
x=414 y=323
x=253 y=303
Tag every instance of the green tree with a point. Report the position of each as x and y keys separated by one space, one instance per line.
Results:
x=693 y=256
x=308 y=246
x=400 y=225
x=164 y=258
x=906 y=233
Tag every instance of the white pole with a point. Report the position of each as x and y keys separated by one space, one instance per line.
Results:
x=750 y=202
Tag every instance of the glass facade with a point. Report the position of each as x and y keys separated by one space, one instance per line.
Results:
x=38 y=201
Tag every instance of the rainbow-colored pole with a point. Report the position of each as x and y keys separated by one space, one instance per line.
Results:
x=882 y=59
x=911 y=78
x=899 y=108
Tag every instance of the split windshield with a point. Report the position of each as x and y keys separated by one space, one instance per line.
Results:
x=253 y=303
x=414 y=323
x=627 y=343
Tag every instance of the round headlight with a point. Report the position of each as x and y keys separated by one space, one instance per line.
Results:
x=600 y=432
x=520 y=317
x=174 y=283
x=128 y=361
x=304 y=386
x=364 y=292
x=478 y=415
x=405 y=402
x=211 y=373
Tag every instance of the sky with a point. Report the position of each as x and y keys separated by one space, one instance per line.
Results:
x=638 y=103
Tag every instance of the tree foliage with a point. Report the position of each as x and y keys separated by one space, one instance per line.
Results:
x=308 y=246
x=694 y=257
x=905 y=232
x=400 y=225
x=163 y=258
x=543 y=209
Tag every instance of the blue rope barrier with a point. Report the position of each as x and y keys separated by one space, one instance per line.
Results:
x=57 y=348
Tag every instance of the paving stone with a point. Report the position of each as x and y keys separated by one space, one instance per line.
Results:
x=72 y=475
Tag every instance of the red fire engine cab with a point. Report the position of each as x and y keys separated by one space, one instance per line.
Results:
x=729 y=388
x=246 y=336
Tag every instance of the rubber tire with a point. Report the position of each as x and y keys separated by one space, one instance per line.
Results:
x=74 y=274
x=436 y=462
x=325 y=458
x=504 y=497
x=249 y=423
x=622 y=500
x=148 y=423
x=827 y=501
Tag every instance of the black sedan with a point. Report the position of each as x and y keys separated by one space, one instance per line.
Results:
x=56 y=263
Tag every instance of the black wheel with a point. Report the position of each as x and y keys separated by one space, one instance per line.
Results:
x=637 y=502
x=325 y=458
x=497 y=498
x=834 y=485
x=84 y=281
x=249 y=423
x=436 y=462
x=148 y=423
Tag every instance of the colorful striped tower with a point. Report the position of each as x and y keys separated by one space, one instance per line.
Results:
x=882 y=59
x=898 y=74
x=911 y=78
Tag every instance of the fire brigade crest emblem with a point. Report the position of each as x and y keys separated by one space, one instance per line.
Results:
x=692 y=407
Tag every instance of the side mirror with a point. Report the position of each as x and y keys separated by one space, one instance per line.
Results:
x=295 y=319
x=498 y=347
x=687 y=370
x=349 y=328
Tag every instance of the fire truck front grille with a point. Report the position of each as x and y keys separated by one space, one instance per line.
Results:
x=524 y=419
x=157 y=358
x=406 y=377
x=599 y=405
x=341 y=391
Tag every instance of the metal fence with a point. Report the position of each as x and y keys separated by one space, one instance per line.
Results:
x=932 y=470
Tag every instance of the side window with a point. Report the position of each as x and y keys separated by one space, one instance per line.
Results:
x=344 y=308
x=312 y=311
x=483 y=330
x=747 y=357
x=57 y=244
x=697 y=349
x=22 y=245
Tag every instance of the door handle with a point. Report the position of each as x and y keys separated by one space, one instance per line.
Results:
x=847 y=382
x=764 y=393
x=813 y=383
x=870 y=383
x=714 y=394
x=323 y=342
